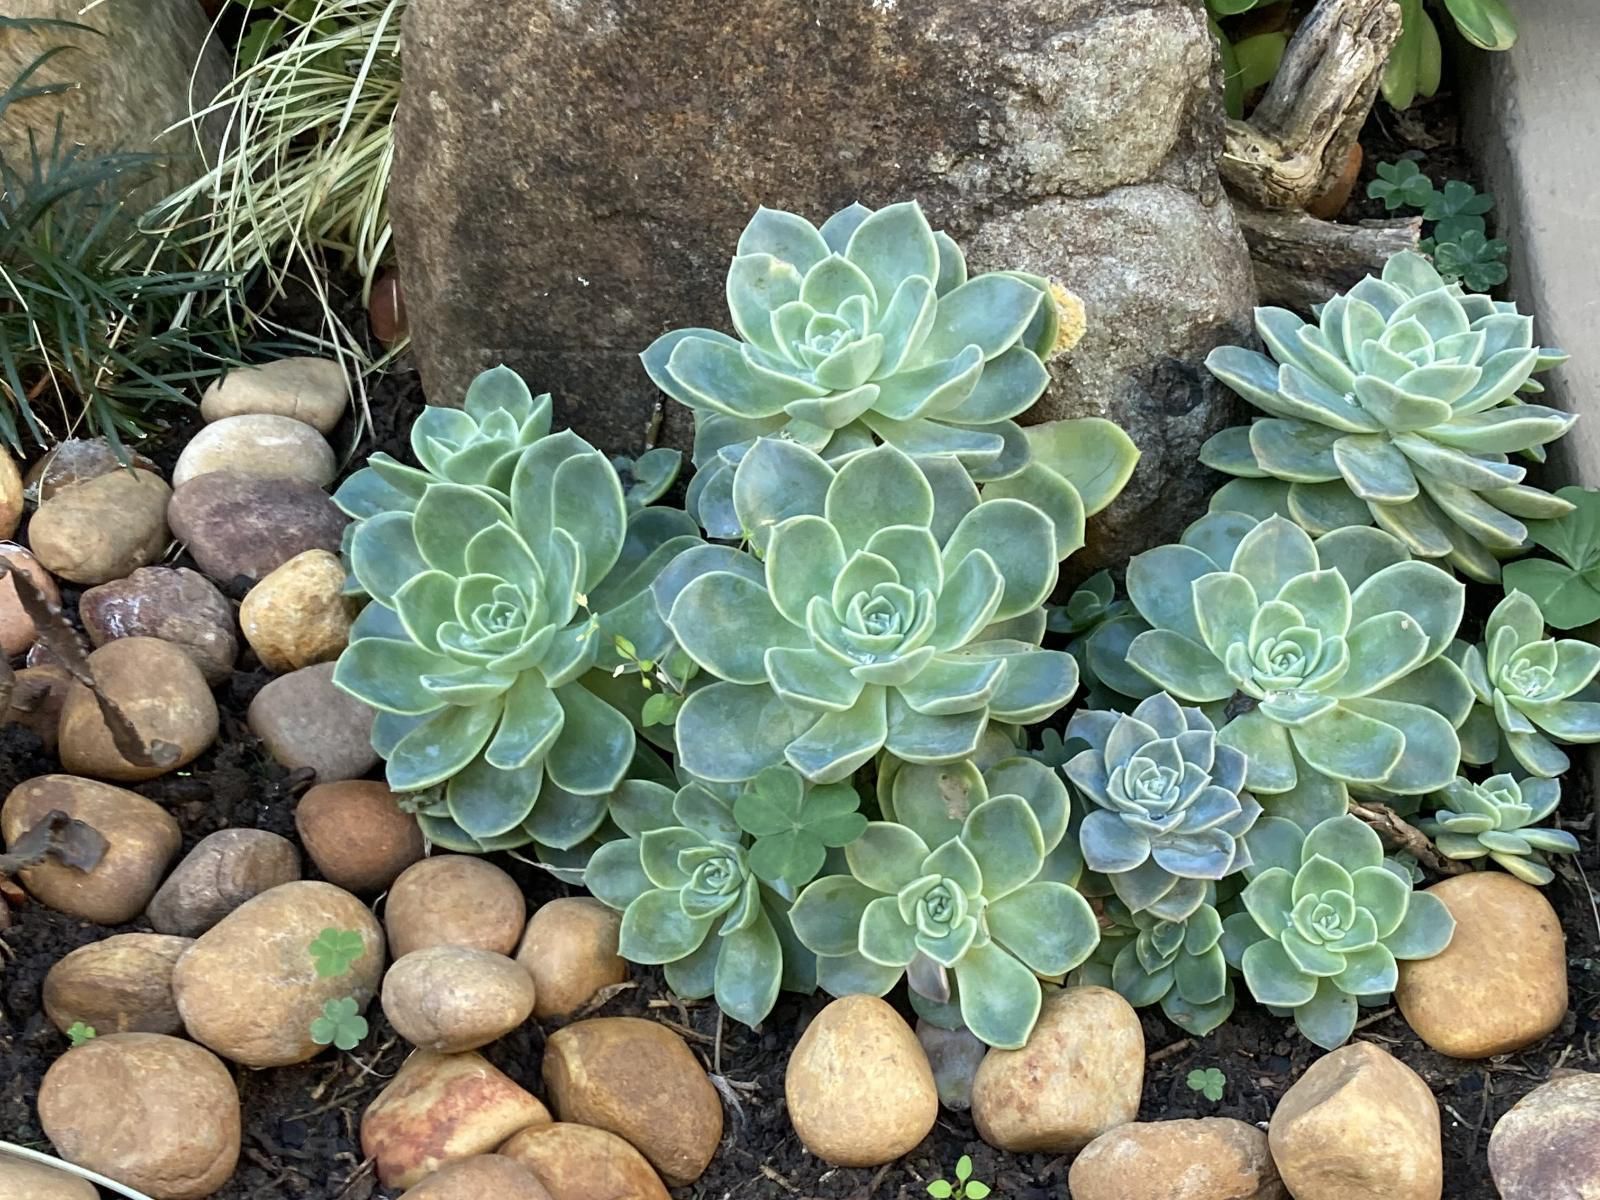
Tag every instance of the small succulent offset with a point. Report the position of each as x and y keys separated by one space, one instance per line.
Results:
x=1493 y=819
x=965 y=1186
x=1525 y=684
x=865 y=329
x=1568 y=591
x=964 y=884
x=1399 y=406
x=1209 y=1082
x=868 y=624
x=334 y=950
x=1351 y=681
x=692 y=901
x=1324 y=921
x=1093 y=601
x=341 y=1024
x=1172 y=814
x=1177 y=964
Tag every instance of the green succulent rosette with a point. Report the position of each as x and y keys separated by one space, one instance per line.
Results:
x=1176 y=964
x=1496 y=820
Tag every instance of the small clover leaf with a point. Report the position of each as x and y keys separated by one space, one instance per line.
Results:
x=340 y=1024
x=1209 y=1082
x=1401 y=185
x=78 y=1033
x=1458 y=208
x=795 y=824
x=1475 y=261
x=334 y=950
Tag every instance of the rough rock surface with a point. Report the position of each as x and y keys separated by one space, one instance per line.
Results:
x=1548 y=1146
x=224 y=870
x=1215 y=1158
x=174 y=604
x=122 y=984
x=247 y=525
x=1073 y=138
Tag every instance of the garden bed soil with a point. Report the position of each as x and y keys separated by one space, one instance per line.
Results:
x=302 y=1124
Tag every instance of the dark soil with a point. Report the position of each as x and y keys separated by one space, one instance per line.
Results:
x=301 y=1124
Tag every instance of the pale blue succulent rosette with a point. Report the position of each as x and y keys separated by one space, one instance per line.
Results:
x=1498 y=820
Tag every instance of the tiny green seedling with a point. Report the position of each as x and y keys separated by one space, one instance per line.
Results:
x=1209 y=1082
x=1401 y=185
x=78 y=1033
x=340 y=1024
x=964 y=1188
x=334 y=950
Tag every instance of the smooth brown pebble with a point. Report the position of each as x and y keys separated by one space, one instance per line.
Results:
x=174 y=604
x=576 y=1162
x=452 y=998
x=304 y=721
x=592 y=1071
x=1547 y=1147
x=440 y=1108
x=1358 y=1125
x=299 y=614
x=78 y=460
x=17 y=631
x=24 y=1180
x=570 y=949
x=387 y=310
x=243 y=525
x=261 y=444
x=482 y=1177
x=224 y=870
x=859 y=1088
x=313 y=390
x=1501 y=983
x=122 y=984
x=356 y=834
x=454 y=900
x=162 y=694
x=103 y=528
x=1079 y=1075
x=10 y=495
x=157 y=1113
x=141 y=839
x=1214 y=1158
x=249 y=988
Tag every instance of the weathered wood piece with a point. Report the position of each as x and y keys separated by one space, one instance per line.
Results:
x=1300 y=261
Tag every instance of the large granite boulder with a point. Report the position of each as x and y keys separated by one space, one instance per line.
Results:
x=133 y=78
x=572 y=176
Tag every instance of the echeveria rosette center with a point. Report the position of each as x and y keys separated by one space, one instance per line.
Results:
x=1398 y=406
x=1324 y=920
x=864 y=330
x=971 y=923
x=692 y=902
x=1171 y=814
x=1351 y=681
x=475 y=645
x=873 y=621
x=1496 y=819
x=1524 y=684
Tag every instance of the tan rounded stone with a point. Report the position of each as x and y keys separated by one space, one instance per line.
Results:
x=454 y=900
x=299 y=614
x=858 y=1086
x=313 y=390
x=1358 y=1125
x=120 y=985
x=1548 y=1146
x=305 y=721
x=440 y=1108
x=594 y=1072
x=1501 y=983
x=1215 y=1158
x=102 y=528
x=34 y=1181
x=249 y=989
x=162 y=694
x=356 y=833
x=142 y=838
x=482 y=1177
x=261 y=444
x=157 y=1113
x=453 y=998
x=576 y=1162
x=570 y=949
x=1079 y=1075
x=17 y=630
x=10 y=494
x=224 y=870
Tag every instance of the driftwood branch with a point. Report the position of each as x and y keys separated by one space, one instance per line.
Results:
x=1399 y=834
x=1301 y=261
x=1298 y=139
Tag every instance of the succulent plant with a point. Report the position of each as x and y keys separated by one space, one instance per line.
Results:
x=964 y=882
x=489 y=607
x=1171 y=815
x=1567 y=591
x=692 y=902
x=1525 y=684
x=1177 y=964
x=1492 y=819
x=869 y=623
x=1398 y=406
x=1351 y=680
x=866 y=329
x=1091 y=603
x=1324 y=920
